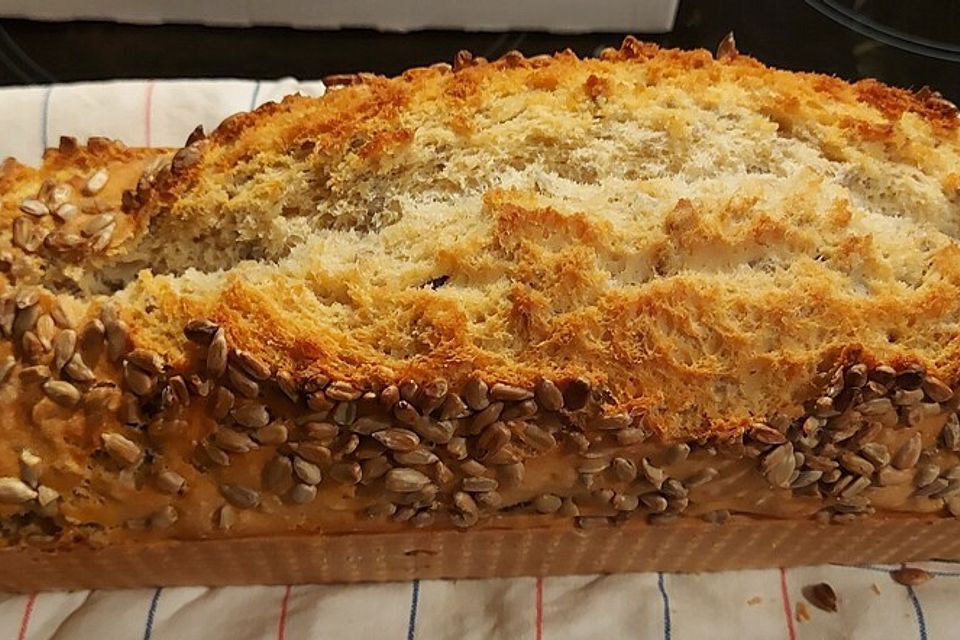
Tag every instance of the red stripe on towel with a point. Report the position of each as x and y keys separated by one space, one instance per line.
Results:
x=787 y=607
x=25 y=620
x=282 y=624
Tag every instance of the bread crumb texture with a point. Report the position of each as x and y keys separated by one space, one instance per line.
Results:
x=697 y=237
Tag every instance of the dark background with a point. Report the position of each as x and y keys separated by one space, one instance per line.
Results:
x=793 y=34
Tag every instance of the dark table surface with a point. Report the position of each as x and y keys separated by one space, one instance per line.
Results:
x=909 y=44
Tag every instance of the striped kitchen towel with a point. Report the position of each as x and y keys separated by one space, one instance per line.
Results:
x=742 y=605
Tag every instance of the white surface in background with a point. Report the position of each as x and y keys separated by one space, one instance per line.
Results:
x=648 y=16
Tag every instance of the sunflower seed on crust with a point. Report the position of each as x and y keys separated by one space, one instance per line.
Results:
x=346 y=472
x=653 y=474
x=15 y=491
x=548 y=395
x=96 y=182
x=397 y=439
x=239 y=496
x=908 y=454
x=477 y=484
x=242 y=383
x=476 y=394
x=624 y=470
x=509 y=393
x=252 y=415
x=936 y=389
x=62 y=392
x=217 y=352
x=122 y=449
x=403 y=480
x=170 y=482
x=547 y=503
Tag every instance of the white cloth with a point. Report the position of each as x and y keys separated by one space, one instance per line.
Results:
x=742 y=605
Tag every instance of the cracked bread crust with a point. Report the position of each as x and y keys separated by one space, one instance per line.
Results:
x=691 y=248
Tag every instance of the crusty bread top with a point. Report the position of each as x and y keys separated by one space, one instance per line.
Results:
x=698 y=237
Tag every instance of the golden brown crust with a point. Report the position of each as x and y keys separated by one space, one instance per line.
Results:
x=677 y=246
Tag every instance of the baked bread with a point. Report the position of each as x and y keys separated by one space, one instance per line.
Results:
x=653 y=285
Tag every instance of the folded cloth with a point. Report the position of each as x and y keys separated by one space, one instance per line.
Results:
x=740 y=605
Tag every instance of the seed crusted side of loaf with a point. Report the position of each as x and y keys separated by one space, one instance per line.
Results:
x=654 y=283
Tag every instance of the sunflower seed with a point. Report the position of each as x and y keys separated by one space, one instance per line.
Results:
x=577 y=394
x=25 y=321
x=806 y=478
x=64 y=346
x=624 y=502
x=46 y=331
x=46 y=495
x=453 y=407
x=778 y=465
x=32 y=347
x=926 y=474
x=457 y=448
x=415 y=457
x=315 y=453
x=251 y=415
x=822 y=596
x=241 y=383
x=950 y=436
x=467 y=509
x=539 y=439
x=477 y=484
x=624 y=470
x=439 y=432
x=855 y=487
x=66 y=212
x=118 y=339
x=345 y=413
x=403 y=480
x=25 y=235
x=486 y=417
x=225 y=517
x=381 y=510
x=903 y=398
x=97 y=223
x=548 y=396
x=222 y=403
x=346 y=472
x=654 y=475
x=593 y=522
x=494 y=438
x=397 y=439
x=273 y=434
x=252 y=366
x=908 y=454
x=374 y=468
x=910 y=379
x=61 y=392
x=547 y=503
x=303 y=494
x=701 y=477
x=139 y=381
x=875 y=407
x=766 y=435
x=408 y=390
x=614 y=422
x=509 y=393
x=339 y=391
x=523 y=409
x=389 y=397
x=170 y=482
x=164 y=518
x=953 y=505
x=910 y=576
x=855 y=464
x=654 y=502
x=34 y=374
x=123 y=450
x=422 y=519
x=34 y=208
x=30 y=467
x=217 y=354
x=288 y=385
x=631 y=436
x=952 y=489
x=876 y=453
x=677 y=453
x=96 y=182
x=15 y=491
x=308 y=472
x=673 y=488
x=200 y=331
x=476 y=394
x=214 y=454
x=239 y=496
x=889 y=477
x=233 y=441
x=936 y=389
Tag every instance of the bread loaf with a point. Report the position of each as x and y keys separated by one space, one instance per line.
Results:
x=654 y=286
